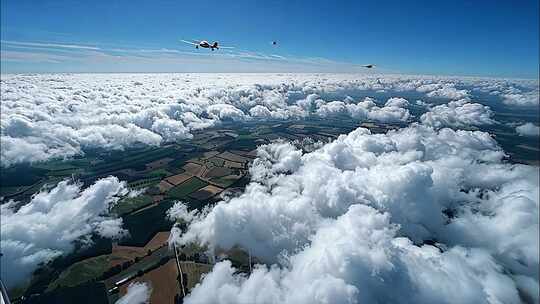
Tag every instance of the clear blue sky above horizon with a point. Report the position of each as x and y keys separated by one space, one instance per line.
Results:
x=477 y=38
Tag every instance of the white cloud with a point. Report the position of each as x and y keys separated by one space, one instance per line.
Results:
x=342 y=224
x=530 y=98
x=397 y=102
x=179 y=211
x=528 y=129
x=137 y=293
x=49 y=45
x=52 y=221
x=393 y=111
x=460 y=113
x=446 y=91
x=26 y=57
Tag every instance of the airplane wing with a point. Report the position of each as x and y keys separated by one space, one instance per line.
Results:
x=189 y=42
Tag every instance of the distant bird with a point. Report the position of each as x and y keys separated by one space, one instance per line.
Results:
x=369 y=66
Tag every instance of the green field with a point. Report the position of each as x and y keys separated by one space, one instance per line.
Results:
x=184 y=189
x=217 y=161
x=10 y=190
x=134 y=160
x=146 y=182
x=144 y=224
x=127 y=205
x=91 y=292
x=218 y=172
x=242 y=144
x=65 y=172
x=223 y=181
x=20 y=175
x=55 y=165
x=61 y=165
x=161 y=173
x=81 y=272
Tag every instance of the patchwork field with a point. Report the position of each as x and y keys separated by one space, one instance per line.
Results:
x=217 y=172
x=207 y=155
x=178 y=179
x=193 y=168
x=186 y=188
x=225 y=181
x=159 y=173
x=233 y=164
x=249 y=154
x=144 y=183
x=163 y=281
x=233 y=157
x=194 y=272
x=143 y=225
x=121 y=254
x=165 y=186
x=206 y=192
x=81 y=272
x=128 y=205
x=216 y=161
x=158 y=163
x=187 y=172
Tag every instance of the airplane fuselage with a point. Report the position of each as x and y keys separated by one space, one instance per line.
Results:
x=205 y=44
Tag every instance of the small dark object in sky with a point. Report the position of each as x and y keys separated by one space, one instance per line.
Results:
x=274 y=43
x=369 y=66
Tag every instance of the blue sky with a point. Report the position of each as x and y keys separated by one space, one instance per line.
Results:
x=484 y=38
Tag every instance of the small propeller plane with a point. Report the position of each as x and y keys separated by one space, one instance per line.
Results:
x=205 y=44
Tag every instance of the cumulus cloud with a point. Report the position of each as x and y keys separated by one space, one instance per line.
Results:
x=446 y=90
x=519 y=98
x=179 y=211
x=137 y=293
x=408 y=216
x=528 y=129
x=460 y=113
x=392 y=111
x=50 y=224
x=59 y=116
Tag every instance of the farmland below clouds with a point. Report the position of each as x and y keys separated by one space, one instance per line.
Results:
x=408 y=216
x=50 y=224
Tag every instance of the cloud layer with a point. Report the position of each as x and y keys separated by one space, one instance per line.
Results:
x=58 y=116
x=52 y=221
x=408 y=216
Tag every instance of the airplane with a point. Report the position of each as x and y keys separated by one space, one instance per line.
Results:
x=369 y=66
x=205 y=44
